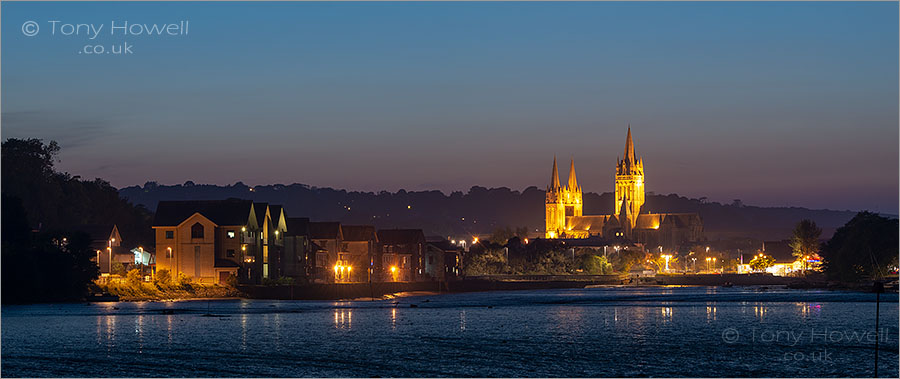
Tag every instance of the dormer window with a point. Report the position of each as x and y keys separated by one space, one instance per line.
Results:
x=197 y=230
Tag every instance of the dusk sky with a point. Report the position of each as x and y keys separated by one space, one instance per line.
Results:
x=772 y=103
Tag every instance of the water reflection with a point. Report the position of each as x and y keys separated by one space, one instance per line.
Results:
x=139 y=331
x=393 y=318
x=243 y=332
x=711 y=313
x=760 y=312
x=666 y=314
x=169 y=330
x=343 y=318
x=462 y=321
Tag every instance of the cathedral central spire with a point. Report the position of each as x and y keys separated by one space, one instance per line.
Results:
x=554 y=177
x=629 y=148
x=573 y=181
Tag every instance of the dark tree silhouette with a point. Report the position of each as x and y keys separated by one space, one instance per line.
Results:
x=864 y=248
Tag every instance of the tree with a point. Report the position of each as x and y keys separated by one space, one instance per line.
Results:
x=502 y=235
x=761 y=262
x=624 y=259
x=660 y=262
x=865 y=247
x=595 y=264
x=805 y=241
x=58 y=201
x=487 y=262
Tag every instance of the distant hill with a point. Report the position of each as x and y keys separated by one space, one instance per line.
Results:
x=482 y=210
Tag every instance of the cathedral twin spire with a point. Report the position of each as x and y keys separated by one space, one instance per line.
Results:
x=572 y=186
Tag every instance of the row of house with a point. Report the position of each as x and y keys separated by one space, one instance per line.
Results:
x=213 y=240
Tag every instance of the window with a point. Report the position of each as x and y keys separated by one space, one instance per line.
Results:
x=431 y=259
x=230 y=233
x=229 y=253
x=321 y=259
x=387 y=260
x=170 y=234
x=404 y=263
x=197 y=230
x=345 y=246
x=342 y=257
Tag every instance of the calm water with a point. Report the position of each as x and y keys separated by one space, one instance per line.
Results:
x=653 y=331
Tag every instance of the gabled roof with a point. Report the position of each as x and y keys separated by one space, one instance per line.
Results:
x=297 y=226
x=324 y=230
x=400 y=236
x=359 y=233
x=588 y=223
x=443 y=245
x=98 y=232
x=260 y=209
x=221 y=212
x=276 y=211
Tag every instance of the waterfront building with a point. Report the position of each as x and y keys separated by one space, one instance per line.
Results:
x=328 y=237
x=443 y=259
x=206 y=240
x=107 y=245
x=565 y=219
x=402 y=252
x=297 y=248
x=356 y=260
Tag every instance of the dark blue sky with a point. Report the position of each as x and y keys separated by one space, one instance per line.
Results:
x=771 y=103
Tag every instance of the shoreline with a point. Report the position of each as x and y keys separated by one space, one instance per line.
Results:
x=387 y=291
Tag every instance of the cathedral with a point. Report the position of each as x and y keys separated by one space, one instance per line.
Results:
x=565 y=218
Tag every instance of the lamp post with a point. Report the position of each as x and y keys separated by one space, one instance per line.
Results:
x=707 y=264
x=109 y=249
x=714 y=264
x=694 y=261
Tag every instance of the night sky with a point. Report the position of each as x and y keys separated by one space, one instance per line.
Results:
x=771 y=103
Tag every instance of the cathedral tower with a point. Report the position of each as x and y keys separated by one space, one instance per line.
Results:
x=562 y=202
x=572 y=194
x=555 y=209
x=629 y=183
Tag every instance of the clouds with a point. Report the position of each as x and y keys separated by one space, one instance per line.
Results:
x=70 y=130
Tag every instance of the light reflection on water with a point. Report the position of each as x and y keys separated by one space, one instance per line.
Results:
x=661 y=331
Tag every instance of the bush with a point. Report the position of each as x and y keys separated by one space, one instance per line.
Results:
x=231 y=281
x=183 y=281
x=134 y=279
x=163 y=278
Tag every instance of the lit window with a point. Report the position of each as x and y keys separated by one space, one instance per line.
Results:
x=230 y=234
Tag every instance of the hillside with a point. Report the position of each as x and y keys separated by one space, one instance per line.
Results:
x=481 y=210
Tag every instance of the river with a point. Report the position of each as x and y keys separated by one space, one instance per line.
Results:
x=595 y=332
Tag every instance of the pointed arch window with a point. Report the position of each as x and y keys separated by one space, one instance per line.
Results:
x=197 y=230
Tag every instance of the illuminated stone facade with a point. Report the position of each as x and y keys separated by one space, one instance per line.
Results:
x=564 y=217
